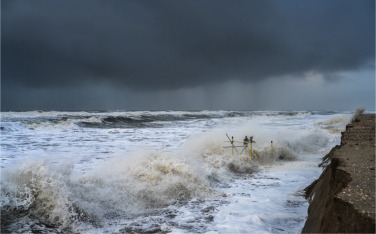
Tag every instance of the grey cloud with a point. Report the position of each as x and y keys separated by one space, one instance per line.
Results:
x=173 y=44
x=355 y=89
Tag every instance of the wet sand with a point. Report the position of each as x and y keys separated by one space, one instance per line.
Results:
x=343 y=198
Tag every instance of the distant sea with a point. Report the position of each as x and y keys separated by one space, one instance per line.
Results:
x=161 y=171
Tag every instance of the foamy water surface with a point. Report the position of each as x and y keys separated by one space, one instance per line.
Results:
x=165 y=171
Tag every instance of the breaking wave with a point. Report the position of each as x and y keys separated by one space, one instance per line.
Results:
x=124 y=186
x=36 y=120
x=335 y=124
x=38 y=192
x=46 y=196
x=128 y=119
x=54 y=197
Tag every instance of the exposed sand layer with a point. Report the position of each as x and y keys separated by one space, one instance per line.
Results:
x=343 y=198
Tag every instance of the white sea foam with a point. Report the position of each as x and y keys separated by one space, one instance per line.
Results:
x=176 y=176
x=335 y=124
x=38 y=189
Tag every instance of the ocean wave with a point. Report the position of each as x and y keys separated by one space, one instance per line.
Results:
x=53 y=120
x=54 y=197
x=37 y=192
x=335 y=124
x=50 y=196
x=97 y=119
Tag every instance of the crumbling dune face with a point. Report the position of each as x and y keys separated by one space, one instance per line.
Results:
x=343 y=198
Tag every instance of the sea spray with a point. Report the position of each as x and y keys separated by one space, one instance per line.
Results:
x=122 y=187
x=38 y=190
x=356 y=114
x=335 y=124
x=185 y=181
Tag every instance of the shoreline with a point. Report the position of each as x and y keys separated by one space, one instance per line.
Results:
x=343 y=198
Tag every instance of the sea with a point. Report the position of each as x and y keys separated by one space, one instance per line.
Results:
x=161 y=171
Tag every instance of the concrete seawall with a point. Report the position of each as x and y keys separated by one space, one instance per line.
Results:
x=343 y=198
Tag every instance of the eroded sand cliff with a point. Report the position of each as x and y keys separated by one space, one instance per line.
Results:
x=343 y=198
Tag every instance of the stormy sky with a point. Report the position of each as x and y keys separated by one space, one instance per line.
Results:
x=185 y=55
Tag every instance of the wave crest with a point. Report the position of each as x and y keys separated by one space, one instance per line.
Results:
x=38 y=190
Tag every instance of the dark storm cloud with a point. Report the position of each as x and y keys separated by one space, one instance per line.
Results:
x=171 y=44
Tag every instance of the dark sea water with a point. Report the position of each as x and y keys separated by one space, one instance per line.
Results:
x=161 y=171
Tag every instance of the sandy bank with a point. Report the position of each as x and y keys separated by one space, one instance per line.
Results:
x=343 y=198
